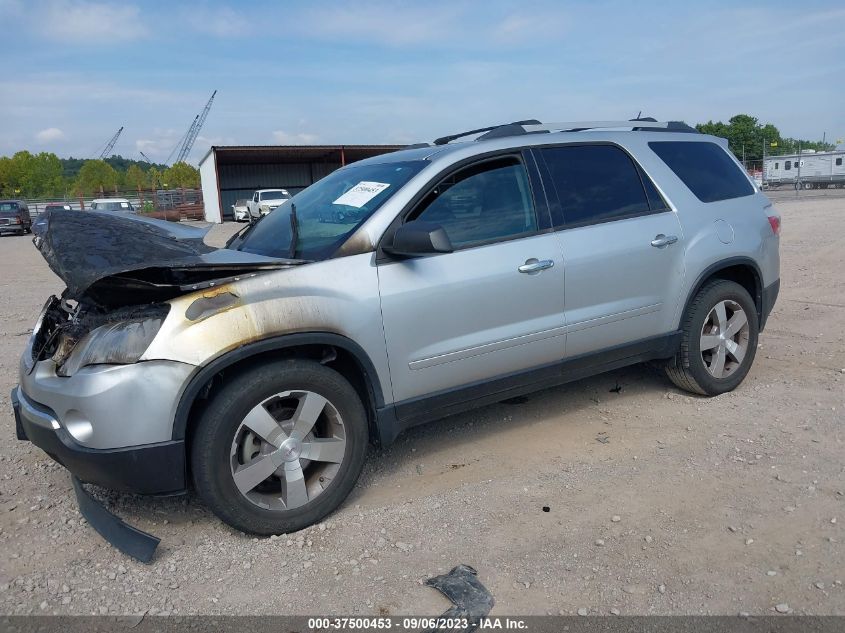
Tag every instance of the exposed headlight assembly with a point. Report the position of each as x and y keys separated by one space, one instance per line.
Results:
x=118 y=343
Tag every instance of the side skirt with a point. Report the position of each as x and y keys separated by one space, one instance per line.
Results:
x=392 y=420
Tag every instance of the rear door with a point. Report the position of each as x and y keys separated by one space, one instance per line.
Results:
x=622 y=246
x=491 y=308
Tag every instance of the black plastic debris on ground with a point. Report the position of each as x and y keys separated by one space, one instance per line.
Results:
x=471 y=599
x=128 y=539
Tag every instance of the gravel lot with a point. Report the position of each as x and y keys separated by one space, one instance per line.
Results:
x=658 y=502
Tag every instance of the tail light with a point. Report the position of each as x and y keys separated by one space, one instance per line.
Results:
x=774 y=222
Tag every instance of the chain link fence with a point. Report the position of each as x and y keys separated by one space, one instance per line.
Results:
x=174 y=205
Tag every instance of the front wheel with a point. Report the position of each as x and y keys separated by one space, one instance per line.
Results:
x=719 y=340
x=279 y=447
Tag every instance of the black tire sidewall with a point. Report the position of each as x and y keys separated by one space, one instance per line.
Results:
x=211 y=444
x=708 y=298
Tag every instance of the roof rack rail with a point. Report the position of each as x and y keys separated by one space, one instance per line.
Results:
x=577 y=126
x=650 y=124
x=452 y=137
x=532 y=126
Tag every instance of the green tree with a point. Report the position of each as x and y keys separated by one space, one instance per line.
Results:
x=182 y=175
x=6 y=186
x=135 y=178
x=747 y=136
x=155 y=177
x=19 y=175
x=46 y=179
x=93 y=175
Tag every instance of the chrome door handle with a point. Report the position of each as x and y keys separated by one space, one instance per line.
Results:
x=534 y=265
x=661 y=240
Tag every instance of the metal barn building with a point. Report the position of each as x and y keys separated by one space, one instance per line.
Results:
x=231 y=172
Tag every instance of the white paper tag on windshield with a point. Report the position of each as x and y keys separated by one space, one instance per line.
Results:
x=361 y=193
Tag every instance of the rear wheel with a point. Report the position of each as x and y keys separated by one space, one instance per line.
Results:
x=279 y=447
x=719 y=340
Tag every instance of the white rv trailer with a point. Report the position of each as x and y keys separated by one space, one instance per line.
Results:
x=807 y=170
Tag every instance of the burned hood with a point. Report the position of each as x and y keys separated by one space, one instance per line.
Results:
x=93 y=250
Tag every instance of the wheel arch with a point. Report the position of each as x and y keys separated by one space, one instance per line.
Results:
x=333 y=350
x=742 y=270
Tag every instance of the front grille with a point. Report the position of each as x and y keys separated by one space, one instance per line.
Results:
x=5 y=221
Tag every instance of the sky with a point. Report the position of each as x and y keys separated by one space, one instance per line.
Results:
x=73 y=71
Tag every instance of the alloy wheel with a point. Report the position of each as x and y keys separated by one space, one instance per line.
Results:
x=724 y=338
x=287 y=450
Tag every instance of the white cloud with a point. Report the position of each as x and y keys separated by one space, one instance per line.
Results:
x=219 y=22
x=299 y=138
x=161 y=146
x=50 y=135
x=455 y=25
x=394 y=25
x=90 y=22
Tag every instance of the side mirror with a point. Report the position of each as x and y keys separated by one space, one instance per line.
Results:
x=416 y=239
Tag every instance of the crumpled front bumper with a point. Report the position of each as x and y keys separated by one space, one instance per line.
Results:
x=158 y=468
x=110 y=406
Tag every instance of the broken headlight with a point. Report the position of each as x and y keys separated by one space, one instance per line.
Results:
x=117 y=343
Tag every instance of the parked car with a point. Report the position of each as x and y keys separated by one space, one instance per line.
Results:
x=57 y=206
x=112 y=204
x=240 y=211
x=14 y=217
x=264 y=201
x=475 y=271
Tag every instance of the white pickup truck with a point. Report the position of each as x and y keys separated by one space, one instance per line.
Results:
x=265 y=200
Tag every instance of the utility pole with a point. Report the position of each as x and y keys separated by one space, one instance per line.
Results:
x=763 y=164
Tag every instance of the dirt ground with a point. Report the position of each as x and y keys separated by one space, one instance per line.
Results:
x=658 y=502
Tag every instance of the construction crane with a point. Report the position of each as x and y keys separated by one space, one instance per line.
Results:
x=194 y=130
x=110 y=145
x=145 y=157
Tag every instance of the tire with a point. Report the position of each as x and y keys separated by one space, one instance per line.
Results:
x=257 y=398
x=696 y=370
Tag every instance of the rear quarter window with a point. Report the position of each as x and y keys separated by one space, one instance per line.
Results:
x=705 y=168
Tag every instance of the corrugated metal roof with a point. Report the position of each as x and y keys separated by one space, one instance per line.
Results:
x=256 y=154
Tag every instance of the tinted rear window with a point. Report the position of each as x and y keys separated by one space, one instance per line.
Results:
x=705 y=168
x=596 y=183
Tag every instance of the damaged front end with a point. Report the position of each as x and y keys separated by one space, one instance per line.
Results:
x=77 y=334
x=115 y=260
x=120 y=272
x=88 y=396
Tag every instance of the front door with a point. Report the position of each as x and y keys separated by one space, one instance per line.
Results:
x=492 y=307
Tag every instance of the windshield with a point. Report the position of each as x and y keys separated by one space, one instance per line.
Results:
x=110 y=206
x=328 y=211
x=274 y=195
x=8 y=206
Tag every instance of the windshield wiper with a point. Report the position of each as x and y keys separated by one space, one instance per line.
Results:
x=245 y=231
x=294 y=232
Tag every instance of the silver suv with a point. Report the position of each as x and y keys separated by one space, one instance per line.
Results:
x=394 y=291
